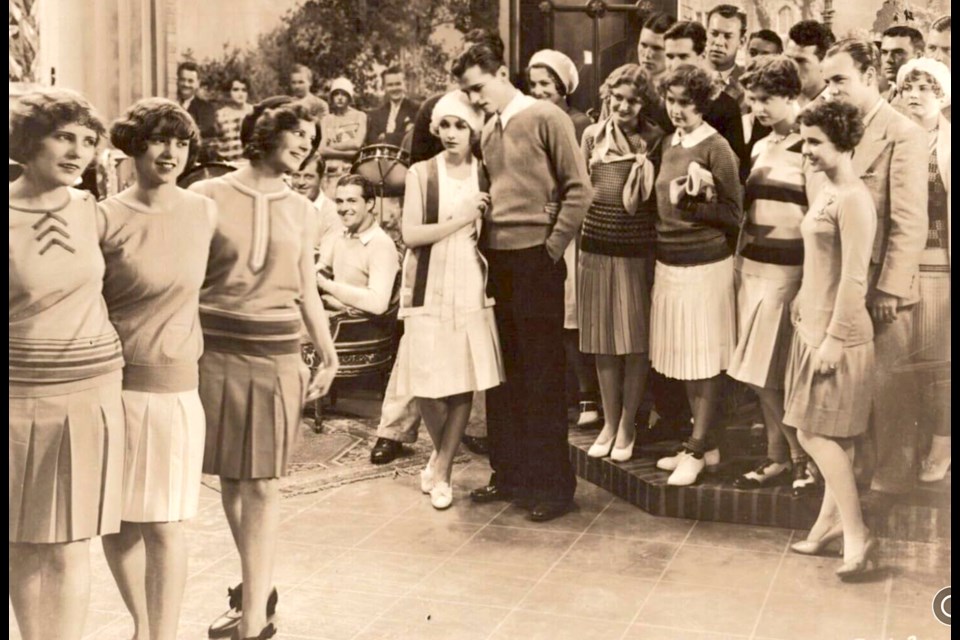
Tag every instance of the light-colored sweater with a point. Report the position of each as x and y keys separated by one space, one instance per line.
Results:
x=535 y=161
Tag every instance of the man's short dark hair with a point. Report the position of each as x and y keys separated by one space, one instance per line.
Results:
x=392 y=70
x=367 y=189
x=689 y=30
x=941 y=24
x=729 y=12
x=810 y=33
x=903 y=31
x=659 y=22
x=864 y=53
x=242 y=80
x=487 y=37
x=768 y=36
x=478 y=55
x=188 y=65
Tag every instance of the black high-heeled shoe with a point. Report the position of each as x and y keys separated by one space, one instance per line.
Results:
x=866 y=561
x=820 y=547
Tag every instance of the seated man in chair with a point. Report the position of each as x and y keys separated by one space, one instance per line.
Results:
x=358 y=271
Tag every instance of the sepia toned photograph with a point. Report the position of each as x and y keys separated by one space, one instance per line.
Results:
x=479 y=320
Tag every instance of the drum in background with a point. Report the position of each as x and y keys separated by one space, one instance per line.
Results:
x=385 y=165
x=204 y=171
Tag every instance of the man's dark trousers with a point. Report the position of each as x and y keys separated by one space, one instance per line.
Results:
x=526 y=416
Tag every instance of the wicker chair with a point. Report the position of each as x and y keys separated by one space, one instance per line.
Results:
x=366 y=345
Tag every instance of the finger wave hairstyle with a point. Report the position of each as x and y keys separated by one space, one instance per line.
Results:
x=37 y=114
x=154 y=117
x=260 y=130
x=840 y=122
x=776 y=75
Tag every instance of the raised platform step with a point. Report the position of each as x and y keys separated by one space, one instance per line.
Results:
x=923 y=516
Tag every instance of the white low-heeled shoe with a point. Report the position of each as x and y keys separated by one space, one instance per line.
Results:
x=623 y=454
x=427 y=475
x=601 y=449
x=441 y=496
x=934 y=470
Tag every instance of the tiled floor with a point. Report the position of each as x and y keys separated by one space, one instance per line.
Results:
x=374 y=561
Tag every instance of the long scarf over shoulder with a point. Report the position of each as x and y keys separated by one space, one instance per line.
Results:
x=610 y=144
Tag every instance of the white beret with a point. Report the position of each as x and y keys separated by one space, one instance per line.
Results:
x=561 y=65
x=455 y=104
x=936 y=69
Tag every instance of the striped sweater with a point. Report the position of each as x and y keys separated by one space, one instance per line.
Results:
x=776 y=202
x=686 y=238
x=59 y=328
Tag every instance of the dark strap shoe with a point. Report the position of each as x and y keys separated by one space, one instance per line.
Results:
x=265 y=634
x=385 y=451
x=229 y=621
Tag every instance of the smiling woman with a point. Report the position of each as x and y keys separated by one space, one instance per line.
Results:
x=261 y=293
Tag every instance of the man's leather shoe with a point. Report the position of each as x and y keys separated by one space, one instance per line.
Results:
x=490 y=493
x=385 y=451
x=480 y=446
x=546 y=511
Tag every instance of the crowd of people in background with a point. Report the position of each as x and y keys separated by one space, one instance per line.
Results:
x=784 y=224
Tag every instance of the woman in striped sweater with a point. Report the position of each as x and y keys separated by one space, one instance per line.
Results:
x=769 y=264
x=66 y=424
x=693 y=316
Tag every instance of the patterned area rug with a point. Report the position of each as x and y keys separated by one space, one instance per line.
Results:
x=340 y=455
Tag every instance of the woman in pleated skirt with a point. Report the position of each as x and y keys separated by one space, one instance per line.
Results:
x=829 y=381
x=261 y=290
x=66 y=425
x=155 y=239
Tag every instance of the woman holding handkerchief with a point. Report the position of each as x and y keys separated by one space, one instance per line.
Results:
x=618 y=240
x=693 y=315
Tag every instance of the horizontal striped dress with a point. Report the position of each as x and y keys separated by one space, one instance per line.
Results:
x=769 y=262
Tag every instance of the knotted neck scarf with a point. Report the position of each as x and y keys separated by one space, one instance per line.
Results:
x=610 y=144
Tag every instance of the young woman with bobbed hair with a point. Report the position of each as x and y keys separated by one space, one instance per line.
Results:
x=155 y=239
x=830 y=368
x=260 y=290
x=66 y=424
x=693 y=306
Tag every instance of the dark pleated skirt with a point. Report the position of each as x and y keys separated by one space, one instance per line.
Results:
x=66 y=464
x=253 y=406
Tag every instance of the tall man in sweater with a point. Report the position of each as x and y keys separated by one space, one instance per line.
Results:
x=891 y=159
x=533 y=160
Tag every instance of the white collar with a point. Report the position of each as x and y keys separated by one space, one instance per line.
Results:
x=725 y=75
x=364 y=236
x=695 y=137
x=519 y=102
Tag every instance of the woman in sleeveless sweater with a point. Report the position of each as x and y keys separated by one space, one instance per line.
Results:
x=450 y=346
x=693 y=318
x=618 y=240
x=769 y=264
x=925 y=86
x=65 y=411
x=830 y=369
x=155 y=239
x=260 y=290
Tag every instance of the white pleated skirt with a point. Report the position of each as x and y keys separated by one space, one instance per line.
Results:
x=933 y=317
x=439 y=357
x=164 y=455
x=693 y=327
x=764 y=331
x=570 y=288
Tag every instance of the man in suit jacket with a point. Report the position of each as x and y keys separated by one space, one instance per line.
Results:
x=389 y=123
x=202 y=112
x=891 y=159
x=726 y=33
